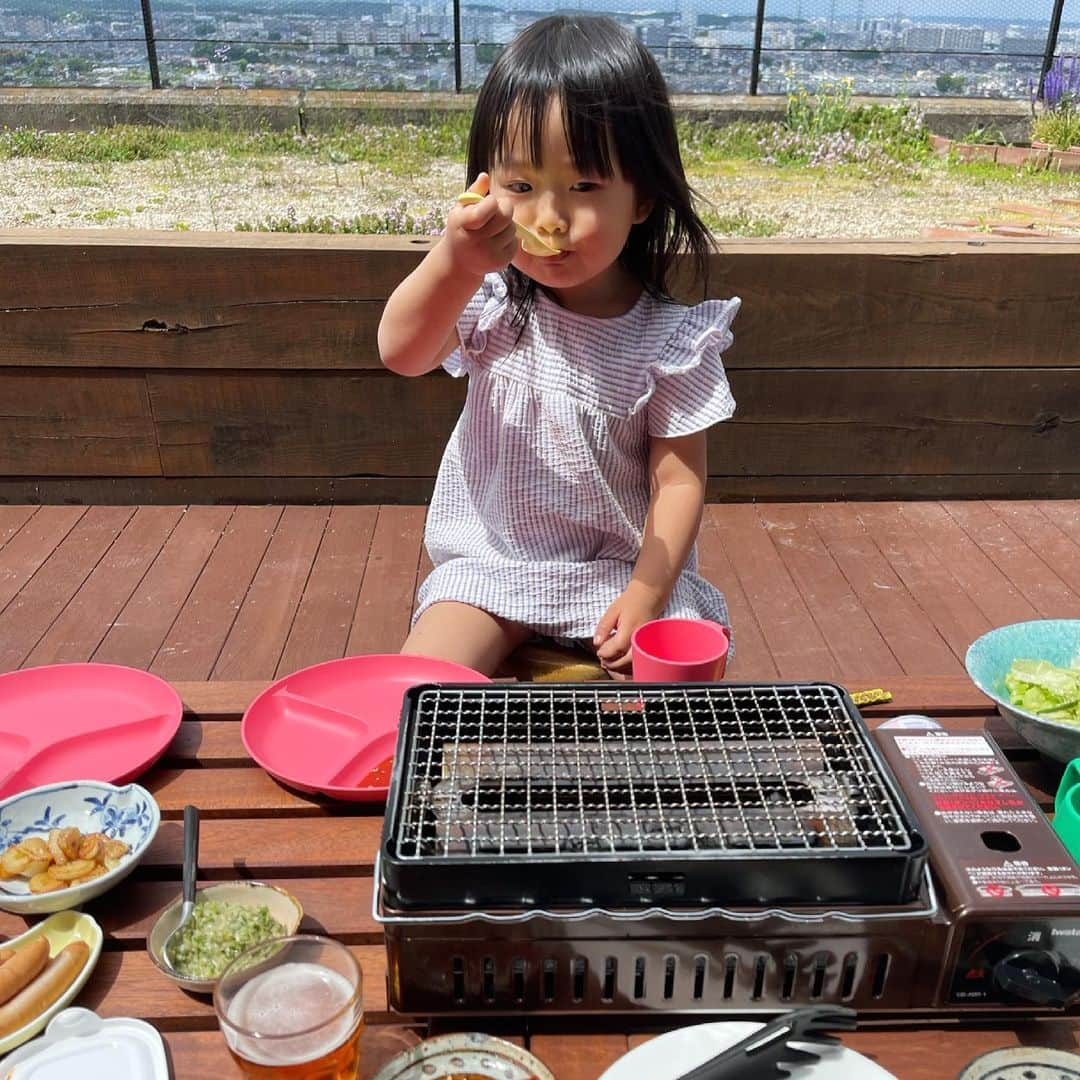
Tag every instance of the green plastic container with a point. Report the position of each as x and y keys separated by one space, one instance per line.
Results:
x=1067 y=809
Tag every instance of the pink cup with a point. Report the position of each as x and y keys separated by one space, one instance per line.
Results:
x=680 y=650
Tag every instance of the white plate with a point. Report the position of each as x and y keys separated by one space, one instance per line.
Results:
x=78 y=1043
x=669 y=1056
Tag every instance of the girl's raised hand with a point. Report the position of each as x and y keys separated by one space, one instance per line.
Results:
x=481 y=237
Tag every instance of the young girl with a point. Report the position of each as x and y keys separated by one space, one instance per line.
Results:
x=570 y=494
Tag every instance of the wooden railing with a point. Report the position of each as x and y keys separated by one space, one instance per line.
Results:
x=160 y=367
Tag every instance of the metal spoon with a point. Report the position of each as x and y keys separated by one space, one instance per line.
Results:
x=191 y=867
x=532 y=243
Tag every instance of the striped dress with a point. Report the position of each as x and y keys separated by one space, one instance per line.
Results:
x=540 y=501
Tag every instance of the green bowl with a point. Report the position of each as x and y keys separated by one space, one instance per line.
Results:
x=990 y=657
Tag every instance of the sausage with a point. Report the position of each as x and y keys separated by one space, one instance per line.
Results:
x=22 y=967
x=6 y=955
x=35 y=998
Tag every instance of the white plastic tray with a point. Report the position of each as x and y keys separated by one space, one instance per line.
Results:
x=78 y=1043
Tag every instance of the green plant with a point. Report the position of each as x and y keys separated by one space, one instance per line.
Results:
x=1059 y=124
x=741 y=223
x=987 y=135
x=704 y=142
x=823 y=113
x=949 y=84
x=393 y=220
x=1059 y=128
x=401 y=148
x=826 y=129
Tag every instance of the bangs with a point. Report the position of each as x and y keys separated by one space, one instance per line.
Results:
x=519 y=124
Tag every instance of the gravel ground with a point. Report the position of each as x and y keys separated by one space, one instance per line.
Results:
x=208 y=192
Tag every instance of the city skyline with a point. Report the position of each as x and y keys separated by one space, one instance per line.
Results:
x=882 y=47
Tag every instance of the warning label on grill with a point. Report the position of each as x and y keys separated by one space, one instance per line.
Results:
x=975 y=806
x=965 y=781
x=1018 y=877
x=948 y=746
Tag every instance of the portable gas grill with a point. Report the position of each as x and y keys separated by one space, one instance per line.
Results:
x=709 y=847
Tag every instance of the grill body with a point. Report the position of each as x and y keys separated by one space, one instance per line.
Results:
x=711 y=964
x=587 y=794
x=992 y=925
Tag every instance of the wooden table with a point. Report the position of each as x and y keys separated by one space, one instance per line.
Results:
x=323 y=852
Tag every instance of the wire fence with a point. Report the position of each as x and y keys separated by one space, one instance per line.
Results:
x=974 y=48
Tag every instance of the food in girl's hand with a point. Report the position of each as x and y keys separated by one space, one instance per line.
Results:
x=64 y=857
x=532 y=243
x=47 y=985
x=216 y=934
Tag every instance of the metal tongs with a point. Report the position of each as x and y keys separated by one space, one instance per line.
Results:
x=768 y=1053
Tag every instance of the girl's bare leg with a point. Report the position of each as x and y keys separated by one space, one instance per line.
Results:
x=466 y=635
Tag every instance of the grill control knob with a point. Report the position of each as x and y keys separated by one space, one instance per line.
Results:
x=1035 y=976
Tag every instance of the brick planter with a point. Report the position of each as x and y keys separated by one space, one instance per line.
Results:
x=1038 y=155
x=1067 y=160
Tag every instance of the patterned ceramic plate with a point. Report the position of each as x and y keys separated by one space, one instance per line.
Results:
x=125 y=813
x=465 y=1054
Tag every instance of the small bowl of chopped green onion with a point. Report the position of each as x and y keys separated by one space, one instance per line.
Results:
x=1032 y=671
x=229 y=918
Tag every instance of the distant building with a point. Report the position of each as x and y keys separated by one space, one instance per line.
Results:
x=470 y=69
x=678 y=47
x=735 y=37
x=1023 y=46
x=923 y=38
x=875 y=29
x=654 y=35
x=963 y=39
x=688 y=14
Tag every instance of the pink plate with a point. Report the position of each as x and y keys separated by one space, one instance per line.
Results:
x=82 y=722
x=332 y=728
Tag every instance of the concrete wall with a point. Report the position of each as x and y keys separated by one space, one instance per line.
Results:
x=312 y=111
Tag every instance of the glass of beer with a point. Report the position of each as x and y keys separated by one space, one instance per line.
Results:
x=292 y=1009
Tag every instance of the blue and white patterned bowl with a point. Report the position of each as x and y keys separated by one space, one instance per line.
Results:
x=990 y=657
x=126 y=813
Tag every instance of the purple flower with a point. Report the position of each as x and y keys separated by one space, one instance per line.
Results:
x=1061 y=87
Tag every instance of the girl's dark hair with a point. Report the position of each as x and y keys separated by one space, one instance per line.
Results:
x=615 y=109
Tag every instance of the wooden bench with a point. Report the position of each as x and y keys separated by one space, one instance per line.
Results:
x=242 y=368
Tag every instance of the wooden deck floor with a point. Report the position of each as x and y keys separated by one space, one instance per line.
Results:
x=826 y=591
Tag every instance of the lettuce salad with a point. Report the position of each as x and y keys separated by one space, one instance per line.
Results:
x=1049 y=691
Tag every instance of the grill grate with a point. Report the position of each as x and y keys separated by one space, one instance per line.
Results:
x=588 y=770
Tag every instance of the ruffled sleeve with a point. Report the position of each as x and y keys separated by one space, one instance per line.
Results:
x=486 y=307
x=690 y=390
